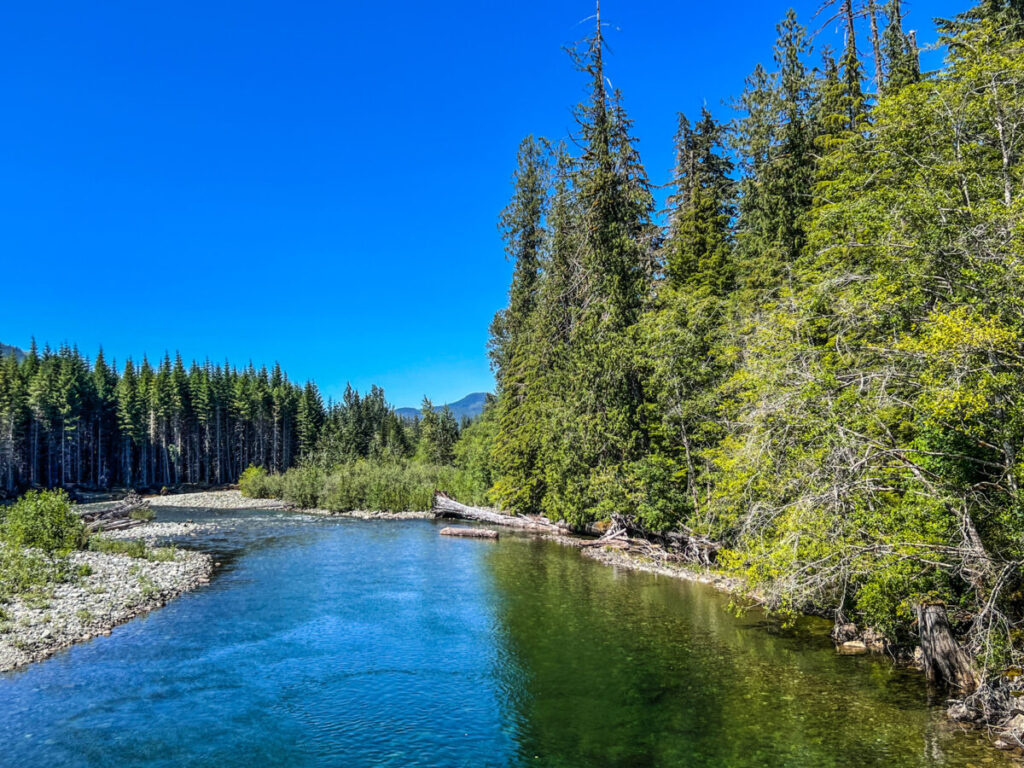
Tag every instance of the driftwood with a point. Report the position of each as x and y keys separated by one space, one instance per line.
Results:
x=945 y=662
x=445 y=507
x=673 y=546
x=470 y=533
x=117 y=517
x=623 y=533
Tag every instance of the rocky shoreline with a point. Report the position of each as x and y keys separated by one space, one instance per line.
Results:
x=110 y=590
x=227 y=499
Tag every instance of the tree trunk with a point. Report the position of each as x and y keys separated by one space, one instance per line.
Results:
x=876 y=46
x=945 y=662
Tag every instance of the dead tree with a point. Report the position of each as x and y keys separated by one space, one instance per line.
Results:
x=945 y=662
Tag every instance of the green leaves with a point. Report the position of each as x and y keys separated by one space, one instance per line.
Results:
x=43 y=520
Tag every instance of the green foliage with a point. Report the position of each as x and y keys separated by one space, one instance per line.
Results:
x=43 y=520
x=303 y=486
x=818 y=363
x=37 y=533
x=392 y=486
x=131 y=548
x=62 y=421
x=145 y=514
x=257 y=483
x=22 y=571
x=473 y=455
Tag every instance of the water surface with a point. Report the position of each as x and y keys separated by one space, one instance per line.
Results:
x=325 y=642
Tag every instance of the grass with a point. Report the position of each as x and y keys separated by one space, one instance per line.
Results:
x=362 y=485
x=132 y=548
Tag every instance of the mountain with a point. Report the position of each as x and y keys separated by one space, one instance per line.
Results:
x=6 y=349
x=471 y=405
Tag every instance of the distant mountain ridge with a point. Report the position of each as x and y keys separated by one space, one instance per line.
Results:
x=7 y=349
x=472 y=405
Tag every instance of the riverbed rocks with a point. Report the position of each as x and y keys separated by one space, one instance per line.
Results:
x=109 y=590
x=623 y=559
x=851 y=639
x=157 y=533
x=997 y=706
x=226 y=499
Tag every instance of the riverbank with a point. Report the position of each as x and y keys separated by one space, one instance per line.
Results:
x=1006 y=724
x=109 y=590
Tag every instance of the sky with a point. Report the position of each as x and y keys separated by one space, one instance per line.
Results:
x=316 y=183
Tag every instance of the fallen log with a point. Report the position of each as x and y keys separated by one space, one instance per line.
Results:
x=447 y=507
x=116 y=517
x=470 y=533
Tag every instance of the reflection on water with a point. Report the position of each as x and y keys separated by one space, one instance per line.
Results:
x=619 y=668
x=352 y=643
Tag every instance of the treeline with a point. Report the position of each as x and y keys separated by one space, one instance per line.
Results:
x=817 y=357
x=68 y=421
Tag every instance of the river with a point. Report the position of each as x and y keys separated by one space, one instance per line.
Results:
x=330 y=642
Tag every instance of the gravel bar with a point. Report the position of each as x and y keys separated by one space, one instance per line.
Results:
x=118 y=589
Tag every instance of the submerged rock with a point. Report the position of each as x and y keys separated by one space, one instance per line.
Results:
x=851 y=647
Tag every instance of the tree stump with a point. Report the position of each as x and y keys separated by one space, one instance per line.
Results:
x=945 y=662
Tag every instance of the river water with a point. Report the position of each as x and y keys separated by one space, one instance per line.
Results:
x=327 y=642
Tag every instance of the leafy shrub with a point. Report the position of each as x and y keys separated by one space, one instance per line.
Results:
x=256 y=483
x=301 y=486
x=386 y=486
x=43 y=520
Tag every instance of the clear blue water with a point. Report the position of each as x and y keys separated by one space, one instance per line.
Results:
x=324 y=642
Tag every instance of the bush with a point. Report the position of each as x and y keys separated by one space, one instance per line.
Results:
x=301 y=486
x=378 y=486
x=255 y=483
x=385 y=486
x=43 y=520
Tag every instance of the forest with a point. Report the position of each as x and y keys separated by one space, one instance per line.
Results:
x=815 y=356
x=67 y=421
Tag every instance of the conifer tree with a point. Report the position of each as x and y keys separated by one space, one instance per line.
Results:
x=700 y=227
x=900 y=55
x=775 y=139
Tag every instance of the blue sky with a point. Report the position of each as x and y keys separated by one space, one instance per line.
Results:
x=314 y=182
